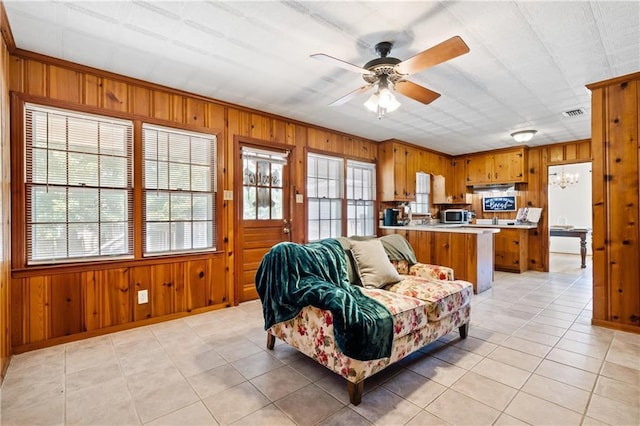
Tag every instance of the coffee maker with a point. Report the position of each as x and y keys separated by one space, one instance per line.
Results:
x=391 y=217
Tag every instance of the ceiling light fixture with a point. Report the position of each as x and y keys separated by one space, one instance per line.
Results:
x=382 y=101
x=562 y=179
x=523 y=135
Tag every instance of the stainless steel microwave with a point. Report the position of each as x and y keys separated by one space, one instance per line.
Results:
x=454 y=216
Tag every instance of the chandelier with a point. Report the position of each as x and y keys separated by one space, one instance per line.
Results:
x=563 y=179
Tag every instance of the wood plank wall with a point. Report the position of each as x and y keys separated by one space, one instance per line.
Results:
x=616 y=207
x=53 y=305
x=5 y=212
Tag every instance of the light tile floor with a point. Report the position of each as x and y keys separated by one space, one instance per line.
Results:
x=532 y=357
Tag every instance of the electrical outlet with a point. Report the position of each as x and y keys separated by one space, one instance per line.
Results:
x=143 y=297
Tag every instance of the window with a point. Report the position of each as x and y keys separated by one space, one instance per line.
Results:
x=361 y=194
x=325 y=189
x=423 y=189
x=78 y=186
x=179 y=190
x=324 y=196
x=262 y=184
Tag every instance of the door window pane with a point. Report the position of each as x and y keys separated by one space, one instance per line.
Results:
x=263 y=180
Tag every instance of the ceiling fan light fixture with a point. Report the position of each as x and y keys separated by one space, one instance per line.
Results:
x=382 y=101
x=523 y=135
x=372 y=103
x=387 y=101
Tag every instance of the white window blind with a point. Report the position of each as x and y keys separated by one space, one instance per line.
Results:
x=361 y=195
x=179 y=190
x=324 y=196
x=78 y=185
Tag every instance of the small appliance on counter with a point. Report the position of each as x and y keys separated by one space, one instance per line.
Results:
x=391 y=217
x=454 y=216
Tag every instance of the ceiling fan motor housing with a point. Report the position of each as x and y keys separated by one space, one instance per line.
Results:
x=383 y=65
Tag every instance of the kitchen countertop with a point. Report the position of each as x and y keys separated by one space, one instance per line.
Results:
x=458 y=229
x=503 y=226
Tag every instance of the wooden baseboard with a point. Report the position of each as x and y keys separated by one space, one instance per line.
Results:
x=616 y=326
x=121 y=327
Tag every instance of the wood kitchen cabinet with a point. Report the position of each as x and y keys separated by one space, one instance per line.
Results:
x=505 y=166
x=512 y=250
x=398 y=166
x=459 y=186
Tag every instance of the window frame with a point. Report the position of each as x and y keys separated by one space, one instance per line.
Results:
x=213 y=191
x=29 y=181
x=421 y=196
x=343 y=201
x=372 y=168
x=331 y=201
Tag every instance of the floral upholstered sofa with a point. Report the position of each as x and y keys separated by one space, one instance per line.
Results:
x=424 y=303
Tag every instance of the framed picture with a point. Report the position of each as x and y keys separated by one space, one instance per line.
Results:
x=506 y=203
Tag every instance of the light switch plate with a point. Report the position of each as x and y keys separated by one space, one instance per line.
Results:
x=143 y=297
x=227 y=195
x=299 y=198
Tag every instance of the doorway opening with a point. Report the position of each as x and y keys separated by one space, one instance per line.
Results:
x=570 y=218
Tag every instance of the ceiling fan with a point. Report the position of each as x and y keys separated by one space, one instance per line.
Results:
x=387 y=72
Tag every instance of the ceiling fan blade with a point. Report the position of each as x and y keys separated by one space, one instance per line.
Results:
x=435 y=55
x=339 y=63
x=416 y=92
x=346 y=98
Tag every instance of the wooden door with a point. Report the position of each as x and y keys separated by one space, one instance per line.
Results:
x=263 y=211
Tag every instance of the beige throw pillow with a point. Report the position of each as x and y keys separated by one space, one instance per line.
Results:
x=373 y=264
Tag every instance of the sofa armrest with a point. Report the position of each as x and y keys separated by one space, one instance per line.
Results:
x=425 y=270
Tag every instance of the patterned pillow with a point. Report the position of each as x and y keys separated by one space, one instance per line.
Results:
x=402 y=266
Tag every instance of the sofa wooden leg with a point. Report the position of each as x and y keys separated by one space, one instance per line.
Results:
x=463 y=330
x=355 y=392
x=271 y=341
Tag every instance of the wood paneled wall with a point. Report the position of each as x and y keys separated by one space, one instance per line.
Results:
x=5 y=205
x=616 y=208
x=57 y=304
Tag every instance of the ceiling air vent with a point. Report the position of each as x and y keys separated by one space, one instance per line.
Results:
x=574 y=113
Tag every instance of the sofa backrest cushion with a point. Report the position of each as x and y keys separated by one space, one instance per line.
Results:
x=352 y=268
x=374 y=267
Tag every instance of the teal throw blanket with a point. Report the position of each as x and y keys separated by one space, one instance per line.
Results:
x=292 y=276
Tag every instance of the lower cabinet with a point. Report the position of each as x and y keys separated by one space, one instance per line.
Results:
x=469 y=254
x=512 y=250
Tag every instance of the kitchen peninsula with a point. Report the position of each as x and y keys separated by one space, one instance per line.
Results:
x=511 y=245
x=469 y=251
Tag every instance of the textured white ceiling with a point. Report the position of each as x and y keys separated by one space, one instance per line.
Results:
x=529 y=61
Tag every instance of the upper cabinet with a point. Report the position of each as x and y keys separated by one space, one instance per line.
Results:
x=459 y=185
x=398 y=166
x=506 y=166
